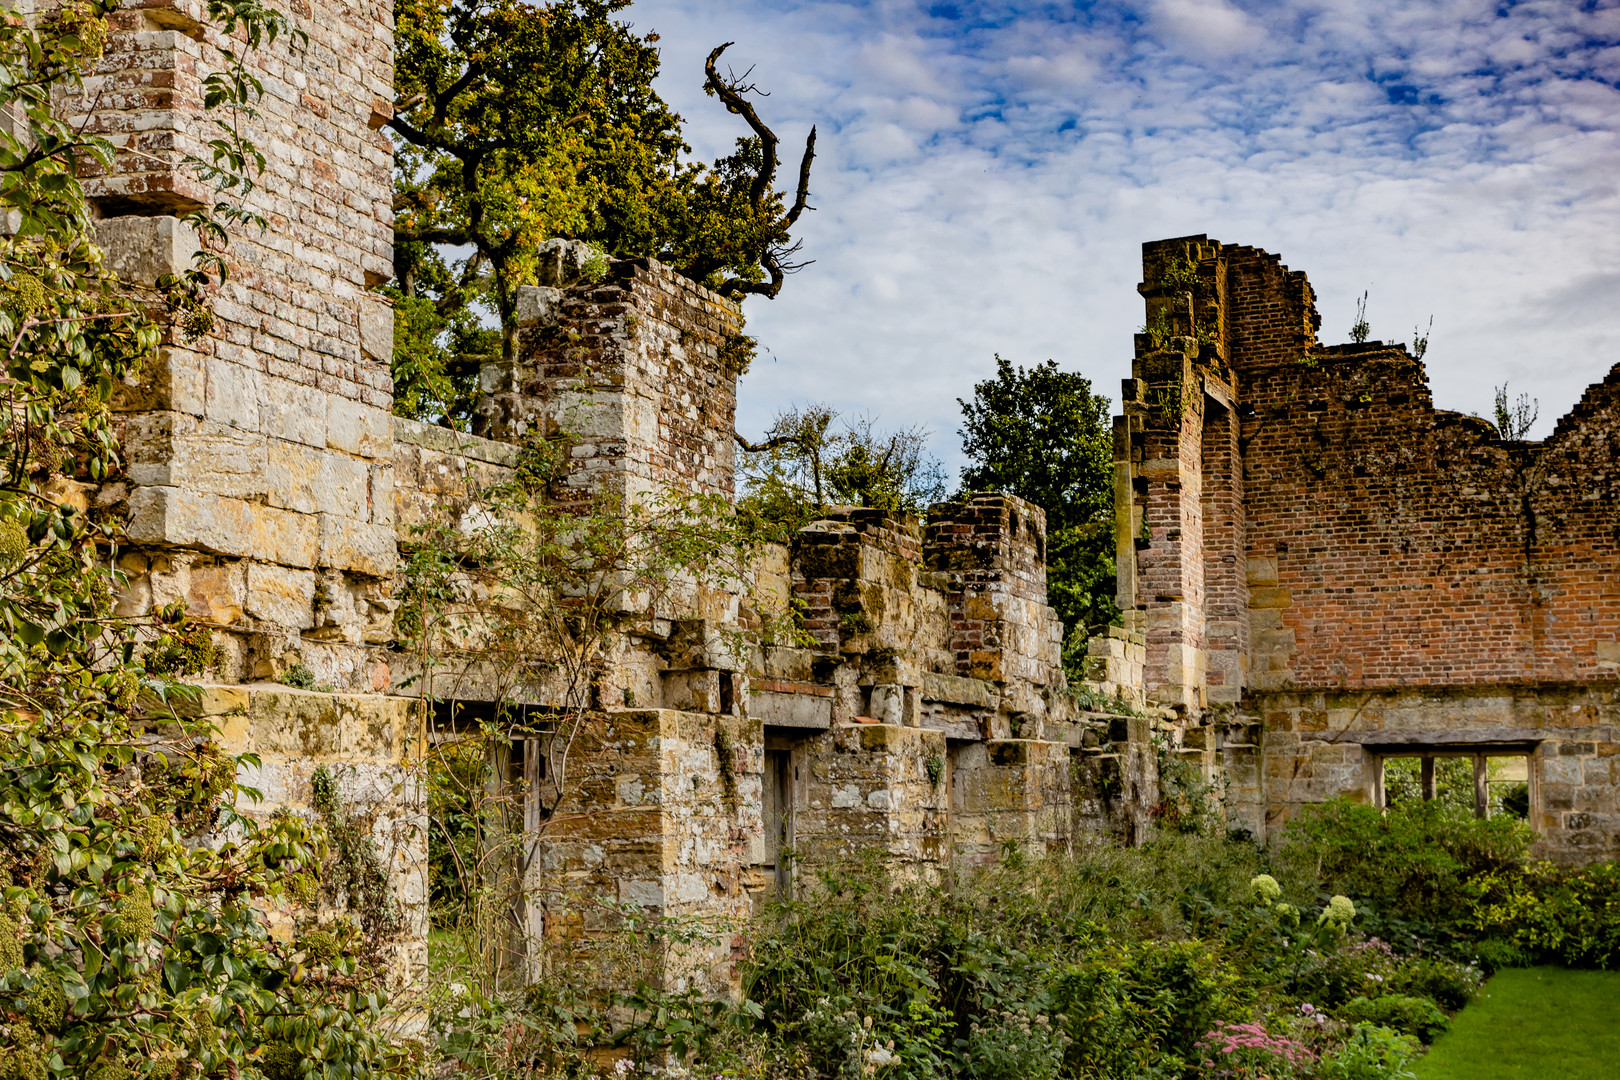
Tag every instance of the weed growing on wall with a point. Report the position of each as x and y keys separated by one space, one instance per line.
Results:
x=1188 y=802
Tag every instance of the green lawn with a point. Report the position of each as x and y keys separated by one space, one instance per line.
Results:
x=1544 y=1023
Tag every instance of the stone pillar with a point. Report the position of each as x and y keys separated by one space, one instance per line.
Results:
x=1226 y=587
x=663 y=811
x=1167 y=398
x=992 y=549
x=629 y=360
x=1009 y=792
x=875 y=787
x=259 y=458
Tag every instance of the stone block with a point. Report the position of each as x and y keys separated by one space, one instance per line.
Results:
x=233 y=394
x=280 y=595
x=381 y=480
x=356 y=428
x=791 y=710
x=1270 y=597
x=959 y=691
x=173 y=379
x=294 y=411
x=376 y=318
x=313 y=481
x=1262 y=572
x=692 y=690
x=537 y=305
x=350 y=544
x=888 y=704
x=171 y=449
x=142 y=249
x=298 y=723
x=178 y=518
x=217 y=592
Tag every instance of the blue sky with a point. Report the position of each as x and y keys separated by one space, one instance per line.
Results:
x=987 y=172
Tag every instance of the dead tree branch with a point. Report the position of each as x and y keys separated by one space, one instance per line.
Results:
x=730 y=91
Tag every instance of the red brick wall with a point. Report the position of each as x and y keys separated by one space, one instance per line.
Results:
x=1412 y=546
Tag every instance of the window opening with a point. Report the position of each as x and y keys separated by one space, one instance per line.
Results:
x=1484 y=784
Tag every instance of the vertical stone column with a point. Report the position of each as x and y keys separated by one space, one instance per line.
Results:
x=992 y=547
x=634 y=363
x=632 y=366
x=875 y=787
x=259 y=475
x=258 y=478
x=1167 y=399
x=1226 y=587
x=663 y=811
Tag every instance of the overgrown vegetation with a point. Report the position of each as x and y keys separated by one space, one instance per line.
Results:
x=525 y=601
x=1195 y=956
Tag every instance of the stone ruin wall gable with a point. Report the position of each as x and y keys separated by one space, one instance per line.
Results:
x=1364 y=575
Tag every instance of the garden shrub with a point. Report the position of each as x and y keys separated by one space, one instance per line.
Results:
x=1569 y=916
x=1411 y=1015
x=1148 y=1002
x=1412 y=863
x=1372 y=1053
x=1329 y=977
x=1450 y=983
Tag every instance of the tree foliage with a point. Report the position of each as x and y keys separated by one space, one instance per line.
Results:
x=810 y=460
x=1042 y=434
x=518 y=122
x=132 y=936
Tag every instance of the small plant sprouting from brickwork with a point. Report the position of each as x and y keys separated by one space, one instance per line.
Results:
x=595 y=266
x=1158 y=330
x=1515 y=418
x=785 y=628
x=1360 y=328
x=1420 y=339
x=737 y=353
x=855 y=622
x=1174 y=400
x=935 y=767
x=1180 y=275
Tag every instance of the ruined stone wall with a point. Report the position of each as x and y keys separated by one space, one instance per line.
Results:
x=1322 y=563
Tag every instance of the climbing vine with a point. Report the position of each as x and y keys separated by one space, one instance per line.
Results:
x=353 y=873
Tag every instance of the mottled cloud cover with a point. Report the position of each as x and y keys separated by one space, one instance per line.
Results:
x=988 y=172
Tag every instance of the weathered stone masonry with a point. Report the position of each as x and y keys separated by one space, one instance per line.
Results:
x=1311 y=548
x=258 y=479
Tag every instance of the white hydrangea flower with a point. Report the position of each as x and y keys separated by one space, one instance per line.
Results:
x=1265 y=888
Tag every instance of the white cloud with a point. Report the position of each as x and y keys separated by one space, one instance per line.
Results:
x=1206 y=27
x=988 y=172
